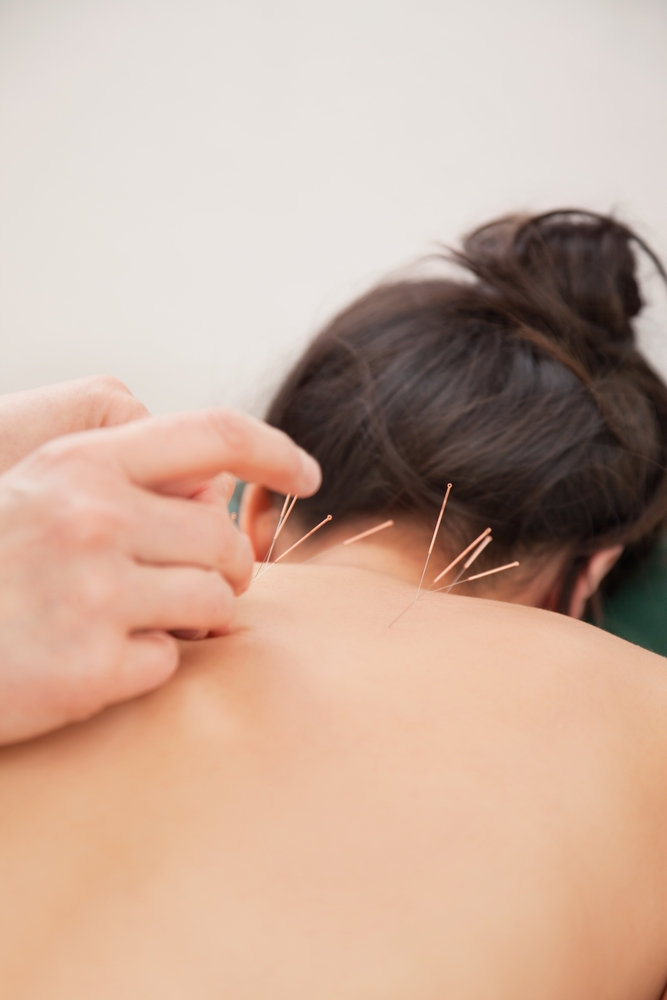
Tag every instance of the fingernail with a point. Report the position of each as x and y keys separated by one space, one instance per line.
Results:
x=312 y=474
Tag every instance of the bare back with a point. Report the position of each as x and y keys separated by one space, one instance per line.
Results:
x=470 y=803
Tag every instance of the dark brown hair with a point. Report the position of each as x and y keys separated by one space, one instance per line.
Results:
x=520 y=383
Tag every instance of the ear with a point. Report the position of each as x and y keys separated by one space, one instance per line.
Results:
x=590 y=578
x=258 y=518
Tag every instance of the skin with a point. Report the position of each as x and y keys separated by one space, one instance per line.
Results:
x=537 y=583
x=469 y=803
x=30 y=419
x=111 y=537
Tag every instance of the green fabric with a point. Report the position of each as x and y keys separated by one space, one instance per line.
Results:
x=637 y=611
x=235 y=502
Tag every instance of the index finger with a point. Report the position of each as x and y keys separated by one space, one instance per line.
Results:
x=184 y=449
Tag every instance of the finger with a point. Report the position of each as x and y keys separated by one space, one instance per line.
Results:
x=170 y=530
x=108 y=400
x=172 y=598
x=121 y=409
x=149 y=659
x=35 y=416
x=218 y=491
x=182 y=451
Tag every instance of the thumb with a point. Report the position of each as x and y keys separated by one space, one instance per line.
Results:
x=149 y=660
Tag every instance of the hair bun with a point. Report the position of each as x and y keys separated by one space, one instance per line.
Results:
x=577 y=259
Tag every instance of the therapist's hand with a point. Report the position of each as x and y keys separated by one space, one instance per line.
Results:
x=29 y=419
x=111 y=538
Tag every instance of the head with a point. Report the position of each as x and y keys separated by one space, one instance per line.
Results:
x=519 y=381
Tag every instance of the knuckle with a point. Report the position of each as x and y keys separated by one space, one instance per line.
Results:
x=57 y=452
x=77 y=495
x=88 y=523
x=52 y=474
x=68 y=457
x=112 y=399
x=105 y=384
x=100 y=594
x=71 y=464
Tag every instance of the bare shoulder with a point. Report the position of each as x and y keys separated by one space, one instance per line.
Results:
x=332 y=613
x=532 y=747
x=336 y=794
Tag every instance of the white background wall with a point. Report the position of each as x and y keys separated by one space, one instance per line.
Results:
x=189 y=187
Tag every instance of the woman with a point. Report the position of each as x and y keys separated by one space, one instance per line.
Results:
x=521 y=384
x=359 y=795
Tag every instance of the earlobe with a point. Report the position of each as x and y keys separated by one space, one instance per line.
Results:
x=258 y=518
x=590 y=578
